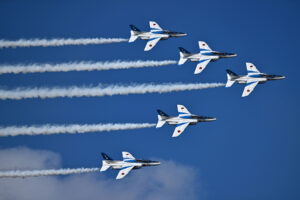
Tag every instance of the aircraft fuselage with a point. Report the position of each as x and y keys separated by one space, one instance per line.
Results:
x=211 y=55
x=194 y=119
x=261 y=78
x=162 y=34
x=118 y=164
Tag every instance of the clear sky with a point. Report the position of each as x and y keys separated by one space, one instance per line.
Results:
x=250 y=152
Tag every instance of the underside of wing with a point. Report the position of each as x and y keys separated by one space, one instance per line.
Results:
x=249 y=88
x=201 y=65
x=203 y=46
x=179 y=129
x=154 y=27
x=124 y=171
x=151 y=43
x=127 y=156
x=251 y=69
x=182 y=110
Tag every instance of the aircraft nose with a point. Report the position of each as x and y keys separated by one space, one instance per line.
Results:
x=212 y=119
x=232 y=54
x=182 y=34
x=155 y=163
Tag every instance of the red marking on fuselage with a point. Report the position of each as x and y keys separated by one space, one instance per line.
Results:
x=150 y=45
x=154 y=24
x=123 y=173
x=248 y=90
x=203 y=44
x=200 y=67
x=178 y=131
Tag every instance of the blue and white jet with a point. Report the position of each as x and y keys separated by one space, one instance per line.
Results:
x=184 y=119
x=126 y=165
x=251 y=80
x=203 y=57
x=155 y=34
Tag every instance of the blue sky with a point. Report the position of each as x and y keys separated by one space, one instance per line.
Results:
x=250 y=152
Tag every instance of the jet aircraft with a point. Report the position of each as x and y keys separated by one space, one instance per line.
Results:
x=184 y=119
x=251 y=80
x=156 y=33
x=203 y=57
x=126 y=165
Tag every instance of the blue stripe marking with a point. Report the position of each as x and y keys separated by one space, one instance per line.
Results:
x=153 y=39
x=201 y=61
x=255 y=76
x=183 y=113
x=157 y=32
x=252 y=71
x=181 y=124
x=207 y=54
x=125 y=167
x=186 y=117
x=155 y=29
x=130 y=161
x=250 y=83
x=204 y=49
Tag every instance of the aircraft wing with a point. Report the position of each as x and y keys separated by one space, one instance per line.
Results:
x=182 y=111
x=203 y=46
x=249 y=88
x=151 y=43
x=127 y=156
x=124 y=171
x=179 y=129
x=154 y=27
x=201 y=65
x=251 y=69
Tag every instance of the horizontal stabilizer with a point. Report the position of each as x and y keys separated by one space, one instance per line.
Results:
x=183 y=54
x=160 y=122
x=105 y=166
x=133 y=36
x=230 y=78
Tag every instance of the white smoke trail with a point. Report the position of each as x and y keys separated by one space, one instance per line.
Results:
x=45 y=172
x=58 y=42
x=82 y=66
x=71 y=129
x=99 y=91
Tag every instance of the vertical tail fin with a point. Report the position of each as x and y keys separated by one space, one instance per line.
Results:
x=133 y=33
x=183 y=54
x=230 y=78
x=161 y=118
x=105 y=157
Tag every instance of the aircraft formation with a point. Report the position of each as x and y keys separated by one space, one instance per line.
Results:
x=184 y=118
